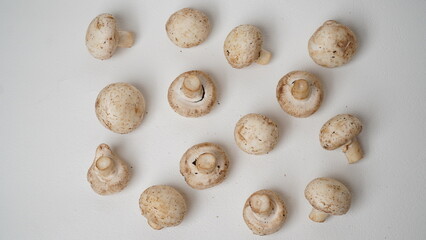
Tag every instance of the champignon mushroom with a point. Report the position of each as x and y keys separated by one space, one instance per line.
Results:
x=342 y=131
x=332 y=45
x=243 y=46
x=188 y=27
x=299 y=93
x=264 y=212
x=204 y=165
x=192 y=94
x=256 y=134
x=327 y=196
x=120 y=107
x=108 y=173
x=163 y=206
x=103 y=37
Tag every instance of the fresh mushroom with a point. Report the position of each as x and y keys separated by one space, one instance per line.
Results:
x=108 y=173
x=163 y=206
x=188 y=27
x=299 y=93
x=120 y=107
x=342 y=131
x=243 y=46
x=192 y=94
x=264 y=212
x=103 y=37
x=204 y=165
x=327 y=197
x=256 y=134
x=332 y=45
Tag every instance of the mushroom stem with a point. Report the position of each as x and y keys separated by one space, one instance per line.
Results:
x=317 y=215
x=154 y=225
x=264 y=57
x=353 y=151
x=206 y=163
x=105 y=165
x=261 y=204
x=126 y=39
x=300 y=89
x=192 y=88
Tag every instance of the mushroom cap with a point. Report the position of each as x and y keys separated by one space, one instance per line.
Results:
x=339 y=130
x=328 y=195
x=295 y=107
x=332 y=45
x=263 y=225
x=243 y=45
x=197 y=179
x=102 y=36
x=163 y=206
x=185 y=106
x=112 y=183
x=120 y=107
x=188 y=27
x=256 y=134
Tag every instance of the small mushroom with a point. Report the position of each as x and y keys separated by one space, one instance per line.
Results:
x=192 y=94
x=204 y=165
x=108 y=173
x=256 y=134
x=163 y=206
x=299 y=93
x=332 y=45
x=188 y=27
x=103 y=37
x=327 y=197
x=342 y=131
x=243 y=46
x=120 y=107
x=264 y=212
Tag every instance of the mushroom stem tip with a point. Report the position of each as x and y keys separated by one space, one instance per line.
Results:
x=206 y=163
x=353 y=151
x=261 y=204
x=264 y=57
x=105 y=165
x=317 y=215
x=300 y=89
x=126 y=39
x=192 y=88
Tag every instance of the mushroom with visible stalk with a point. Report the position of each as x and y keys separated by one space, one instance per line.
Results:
x=108 y=173
x=204 y=165
x=342 y=131
x=103 y=37
x=243 y=46
x=327 y=197
x=264 y=212
x=299 y=93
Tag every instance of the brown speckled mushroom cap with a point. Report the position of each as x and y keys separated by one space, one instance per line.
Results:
x=108 y=174
x=256 y=134
x=204 y=165
x=192 y=94
x=339 y=131
x=163 y=206
x=264 y=212
x=188 y=27
x=291 y=86
x=332 y=45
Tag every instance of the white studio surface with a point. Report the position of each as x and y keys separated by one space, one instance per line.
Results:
x=49 y=130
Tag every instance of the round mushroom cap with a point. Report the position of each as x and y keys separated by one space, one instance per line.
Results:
x=204 y=165
x=339 y=130
x=328 y=195
x=332 y=45
x=299 y=107
x=120 y=107
x=256 y=134
x=243 y=45
x=188 y=27
x=163 y=206
x=102 y=36
x=266 y=223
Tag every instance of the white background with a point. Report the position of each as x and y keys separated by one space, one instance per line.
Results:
x=49 y=131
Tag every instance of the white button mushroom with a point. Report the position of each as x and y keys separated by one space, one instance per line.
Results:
x=299 y=93
x=188 y=27
x=264 y=212
x=327 y=196
x=342 y=131
x=256 y=134
x=163 y=206
x=120 y=107
x=204 y=165
x=108 y=173
x=103 y=37
x=332 y=45
x=192 y=94
x=243 y=46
